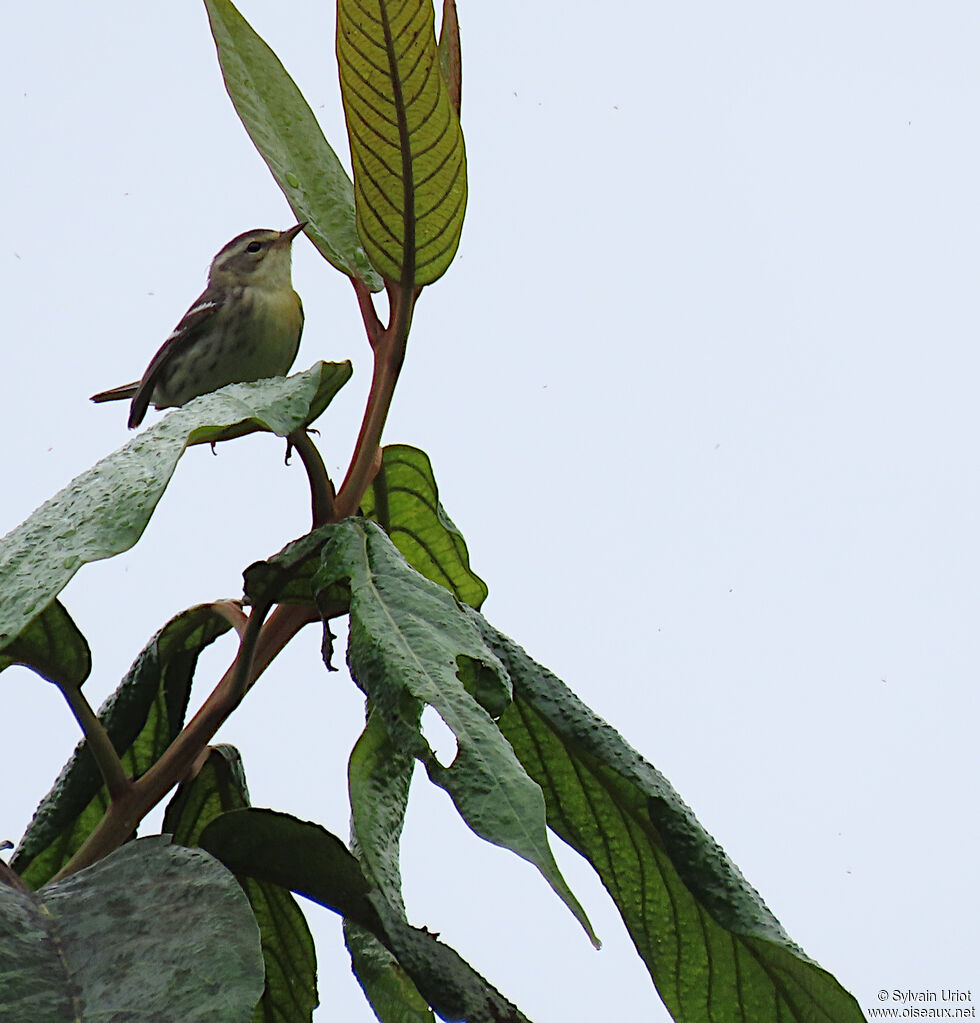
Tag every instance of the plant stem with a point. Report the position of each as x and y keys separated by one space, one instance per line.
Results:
x=389 y=354
x=99 y=743
x=140 y=796
x=321 y=489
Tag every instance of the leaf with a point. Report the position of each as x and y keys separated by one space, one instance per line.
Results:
x=104 y=511
x=306 y=858
x=152 y=932
x=713 y=949
x=294 y=854
x=450 y=54
x=386 y=985
x=290 y=991
x=404 y=500
x=142 y=717
x=287 y=577
x=379 y=777
x=405 y=139
x=407 y=637
x=53 y=646
x=286 y=133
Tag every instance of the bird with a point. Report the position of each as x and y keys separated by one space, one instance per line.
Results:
x=246 y=325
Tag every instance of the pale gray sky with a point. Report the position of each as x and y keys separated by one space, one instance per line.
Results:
x=699 y=391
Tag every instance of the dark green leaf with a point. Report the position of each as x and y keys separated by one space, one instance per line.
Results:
x=304 y=857
x=142 y=717
x=287 y=945
x=152 y=932
x=407 y=637
x=390 y=990
x=379 y=777
x=287 y=577
x=405 y=139
x=442 y=977
x=404 y=499
x=53 y=646
x=104 y=511
x=294 y=854
x=287 y=136
x=714 y=950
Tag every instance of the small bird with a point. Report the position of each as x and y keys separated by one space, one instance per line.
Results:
x=245 y=326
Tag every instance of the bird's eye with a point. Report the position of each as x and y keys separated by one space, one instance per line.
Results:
x=253 y=246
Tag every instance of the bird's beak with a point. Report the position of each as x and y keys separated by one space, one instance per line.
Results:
x=285 y=237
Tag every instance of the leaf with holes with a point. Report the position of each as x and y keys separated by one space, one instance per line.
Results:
x=410 y=642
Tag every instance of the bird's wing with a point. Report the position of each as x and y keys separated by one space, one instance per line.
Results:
x=193 y=323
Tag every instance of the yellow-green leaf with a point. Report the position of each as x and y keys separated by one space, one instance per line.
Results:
x=406 y=143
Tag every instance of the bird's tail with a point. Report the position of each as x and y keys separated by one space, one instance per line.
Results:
x=117 y=393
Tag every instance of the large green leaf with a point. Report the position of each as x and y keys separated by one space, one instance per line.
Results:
x=286 y=133
x=142 y=717
x=713 y=949
x=152 y=932
x=404 y=499
x=104 y=511
x=405 y=139
x=306 y=858
x=53 y=646
x=287 y=945
x=410 y=643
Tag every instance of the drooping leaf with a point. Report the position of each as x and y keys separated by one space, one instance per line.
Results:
x=152 y=932
x=286 y=133
x=53 y=646
x=386 y=985
x=408 y=637
x=714 y=950
x=290 y=993
x=142 y=717
x=379 y=777
x=404 y=500
x=294 y=854
x=104 y=511
x=405 y=139
x=306 y=858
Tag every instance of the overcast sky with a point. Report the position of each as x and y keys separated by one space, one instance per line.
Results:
x=699 y=390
